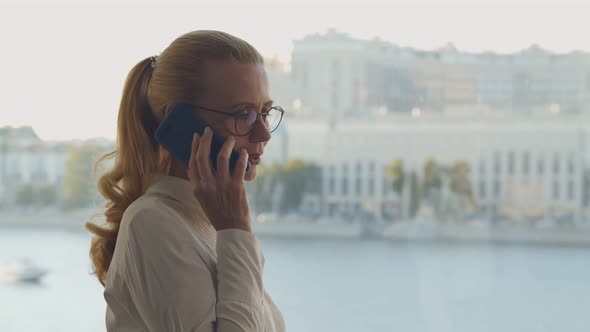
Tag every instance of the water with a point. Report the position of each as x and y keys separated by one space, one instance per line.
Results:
x=339 y=285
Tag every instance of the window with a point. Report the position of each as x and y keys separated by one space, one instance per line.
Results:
x=511 y=162
x=386 y=186
x=497 y=162
x=482 y=189
x=525 y=162
x=379 y=91
x=371 y=183
x=570 y=165
x=497 y=188
x=345 y=180
x=555 y=190
x=332 y=180
x=358 y=178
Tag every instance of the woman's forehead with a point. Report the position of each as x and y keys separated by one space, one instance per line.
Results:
x=236 y=83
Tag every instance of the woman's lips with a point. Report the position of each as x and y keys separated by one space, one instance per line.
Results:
x=254 y=159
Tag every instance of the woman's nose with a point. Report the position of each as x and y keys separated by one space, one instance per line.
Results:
x=260 y=132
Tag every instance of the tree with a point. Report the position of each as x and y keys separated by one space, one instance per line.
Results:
x=459 y=181
x=79 y=183
x=46 y=195
x=395 y=171
x=24 y=194
x=260 y=190
x=414 y=195
x=298 y=177
x=459 y=193
x=409 y=197
x=432 y=185
x=432 y=176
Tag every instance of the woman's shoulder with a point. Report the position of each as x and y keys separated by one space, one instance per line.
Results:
x=153 y=233
x=151 y=215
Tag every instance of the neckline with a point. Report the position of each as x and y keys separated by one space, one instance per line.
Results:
x=181 y=190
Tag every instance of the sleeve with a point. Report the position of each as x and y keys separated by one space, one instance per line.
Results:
x=172 y=288
x=240 y=290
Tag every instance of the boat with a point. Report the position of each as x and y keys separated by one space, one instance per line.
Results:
x=24 y=271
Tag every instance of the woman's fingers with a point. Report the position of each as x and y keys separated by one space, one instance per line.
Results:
x=193 y=171
x=240 y=169
x=203 y=159
x=221 y=194
x=223 y=159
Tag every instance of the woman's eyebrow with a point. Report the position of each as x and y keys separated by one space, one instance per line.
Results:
x=269 y=102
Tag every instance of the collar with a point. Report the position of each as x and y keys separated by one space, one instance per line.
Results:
x=181 y=190
x=177 y=188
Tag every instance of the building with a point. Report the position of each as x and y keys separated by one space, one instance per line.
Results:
x=528 y=167
x=25 y=159
x=337 y=75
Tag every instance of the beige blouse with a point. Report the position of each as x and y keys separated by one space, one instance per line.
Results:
x=172 y=271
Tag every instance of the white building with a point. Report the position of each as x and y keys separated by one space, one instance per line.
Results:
x=27 y=160
x=519 y=164
x=337 y=75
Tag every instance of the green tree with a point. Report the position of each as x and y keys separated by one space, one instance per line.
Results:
x=79 y=182
x=414 y=195
x=398 y=175
x=24 y=194
x=46 y=195
x=430 y=188
x=260 y=190
x=395 y=172
x=459 y=181
x=298 y=178
x=432 y=176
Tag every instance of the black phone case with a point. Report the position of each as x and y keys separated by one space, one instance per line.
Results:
x=175 y=134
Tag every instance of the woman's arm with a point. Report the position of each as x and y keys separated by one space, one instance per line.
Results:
x=173 y=290
x=240 y=291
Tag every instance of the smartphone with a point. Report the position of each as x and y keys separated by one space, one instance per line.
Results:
x=175 y=134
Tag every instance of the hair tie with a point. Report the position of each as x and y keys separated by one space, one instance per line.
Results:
x=153 y=60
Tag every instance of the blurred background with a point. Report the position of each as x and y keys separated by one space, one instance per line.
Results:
x=431 y=173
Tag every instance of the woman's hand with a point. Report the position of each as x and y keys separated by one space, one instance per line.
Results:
x=222 y=195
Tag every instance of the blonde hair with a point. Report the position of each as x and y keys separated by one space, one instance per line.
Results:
x=176 y=77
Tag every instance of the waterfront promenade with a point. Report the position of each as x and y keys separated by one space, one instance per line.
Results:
x=412 y=230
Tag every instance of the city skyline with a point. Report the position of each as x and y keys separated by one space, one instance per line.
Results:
x=74 y=58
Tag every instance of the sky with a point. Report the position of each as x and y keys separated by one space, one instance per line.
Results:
x=64 y=63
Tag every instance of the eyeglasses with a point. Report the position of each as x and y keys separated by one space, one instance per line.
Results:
x=245 y=120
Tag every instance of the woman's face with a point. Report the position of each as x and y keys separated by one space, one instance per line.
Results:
x=235 y=88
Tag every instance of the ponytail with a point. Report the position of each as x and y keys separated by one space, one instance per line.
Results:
x=136 y=160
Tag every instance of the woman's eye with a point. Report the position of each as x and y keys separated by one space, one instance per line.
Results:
x=244 y=114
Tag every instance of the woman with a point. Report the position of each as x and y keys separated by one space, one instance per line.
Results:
x=177 y=252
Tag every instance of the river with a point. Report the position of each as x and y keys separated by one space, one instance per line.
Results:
x=338 y=285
